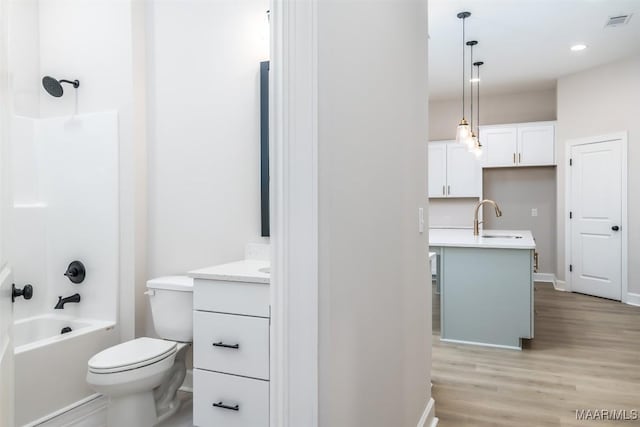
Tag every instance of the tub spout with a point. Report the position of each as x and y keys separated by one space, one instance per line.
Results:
x=62 y=301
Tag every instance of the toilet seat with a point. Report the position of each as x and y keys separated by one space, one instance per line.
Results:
x=131 y=355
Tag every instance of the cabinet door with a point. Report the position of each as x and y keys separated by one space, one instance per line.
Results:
x=221 y=400
x=463 y=172
x=499 y=145
x=536 y=145
x=437 y=153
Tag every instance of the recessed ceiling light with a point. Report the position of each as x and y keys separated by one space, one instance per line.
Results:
x=474 y=80
x=578 y=47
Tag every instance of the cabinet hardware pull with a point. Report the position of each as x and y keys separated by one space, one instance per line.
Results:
x=519 y=157
x=448 y=189
x=443 y=191
x=221 y=344
x=514 y=158
x=223 y=406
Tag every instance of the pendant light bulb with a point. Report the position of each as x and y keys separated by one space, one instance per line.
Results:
x=471 y=141
x=477 y=150
x=462 y=132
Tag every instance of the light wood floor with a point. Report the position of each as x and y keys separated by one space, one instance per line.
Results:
x=585 y=355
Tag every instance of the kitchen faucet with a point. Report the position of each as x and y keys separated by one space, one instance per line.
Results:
x=476 y=223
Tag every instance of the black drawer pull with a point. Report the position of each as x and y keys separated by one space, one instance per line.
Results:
x=223 y=406
x=221 y=344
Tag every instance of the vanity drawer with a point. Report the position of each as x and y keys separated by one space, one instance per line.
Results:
x=232 y=344
x=251 y=299
x=226 y=391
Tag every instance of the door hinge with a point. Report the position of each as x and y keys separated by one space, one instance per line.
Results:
x=570 y=267
x=570 y=215
x=570 y=162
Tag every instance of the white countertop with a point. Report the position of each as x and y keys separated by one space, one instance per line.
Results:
x=247 y=270
x=465 y=239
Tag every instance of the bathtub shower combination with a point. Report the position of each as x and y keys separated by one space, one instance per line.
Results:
x=64 y=242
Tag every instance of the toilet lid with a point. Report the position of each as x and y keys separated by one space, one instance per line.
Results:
x=132 y=354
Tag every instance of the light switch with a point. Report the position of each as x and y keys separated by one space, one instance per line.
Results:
x=534 y=211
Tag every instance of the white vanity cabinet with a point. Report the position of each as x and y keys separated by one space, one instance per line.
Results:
x=231 y=327
x=523 y=144
x=453 y=171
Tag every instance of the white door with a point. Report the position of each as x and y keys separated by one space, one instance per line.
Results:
x=596 y=219
x=437 y=154
x=463 y=172
x=499 y=146
x=536 y=145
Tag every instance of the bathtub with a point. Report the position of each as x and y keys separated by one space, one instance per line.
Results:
x=51 y=367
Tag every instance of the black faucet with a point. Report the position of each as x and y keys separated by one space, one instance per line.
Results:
x=63 y=301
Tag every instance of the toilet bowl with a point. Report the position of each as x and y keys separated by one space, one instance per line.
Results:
x=141 y=377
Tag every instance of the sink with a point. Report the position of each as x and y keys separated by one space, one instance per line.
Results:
x=501 y=236
x=266 y=270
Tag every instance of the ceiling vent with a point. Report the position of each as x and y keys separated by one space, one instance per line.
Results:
x=617 y=21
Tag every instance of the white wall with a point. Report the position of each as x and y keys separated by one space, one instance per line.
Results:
x=204 y=132
x=518 y=107
x=519 y=190
x=374 y=287
x=24 y=56
x=595 y=102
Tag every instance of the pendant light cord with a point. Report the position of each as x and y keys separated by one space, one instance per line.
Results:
x=478 y=107
x=464 y=65
x=471 y=86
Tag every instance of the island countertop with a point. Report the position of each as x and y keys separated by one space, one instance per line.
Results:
x=464 y=238
x=248 y=270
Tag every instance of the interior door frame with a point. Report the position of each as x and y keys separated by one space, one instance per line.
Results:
x=623 y=138
x=293 y=131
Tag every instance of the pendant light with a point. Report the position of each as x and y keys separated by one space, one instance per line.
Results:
x=470 y=141
x=477 y=149
x=463 y=130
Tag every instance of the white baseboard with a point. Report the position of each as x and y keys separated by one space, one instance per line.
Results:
x=90 y=412
x=544 y=277
x=632 y=299
x=560 y=285
x=428 y=418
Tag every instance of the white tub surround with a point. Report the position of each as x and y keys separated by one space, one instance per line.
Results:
x=231 y=344
x=486 y=286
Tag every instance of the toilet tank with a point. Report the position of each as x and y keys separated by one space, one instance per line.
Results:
x=171 y=300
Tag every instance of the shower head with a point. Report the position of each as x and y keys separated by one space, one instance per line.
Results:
x=54 y=87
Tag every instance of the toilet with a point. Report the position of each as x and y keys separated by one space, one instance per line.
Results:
x=141 y=377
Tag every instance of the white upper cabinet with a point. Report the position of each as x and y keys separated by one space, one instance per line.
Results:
x=438 y=170
x=536 y=145
x=499 y=146
x=526 y=144
x=453 y=171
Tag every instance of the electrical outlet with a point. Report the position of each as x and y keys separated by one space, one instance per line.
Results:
x=534 y=211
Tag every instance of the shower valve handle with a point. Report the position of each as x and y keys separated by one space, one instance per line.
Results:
x=26 y=292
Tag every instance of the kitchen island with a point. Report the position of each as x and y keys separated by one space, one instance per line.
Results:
x=486 y=285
